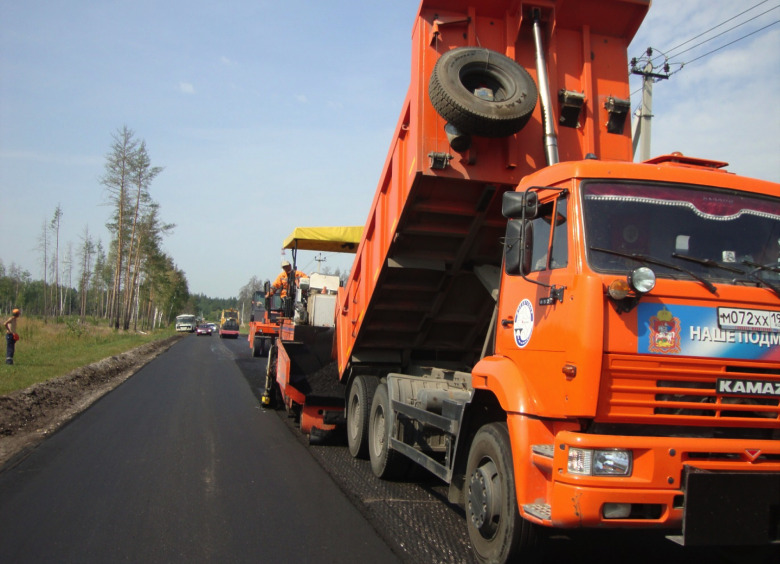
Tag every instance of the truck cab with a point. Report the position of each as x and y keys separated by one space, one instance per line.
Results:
x=639 y=322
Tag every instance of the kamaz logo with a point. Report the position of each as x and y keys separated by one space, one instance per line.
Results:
x=748 y=387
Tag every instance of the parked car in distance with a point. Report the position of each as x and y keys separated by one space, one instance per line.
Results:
x=203 y=330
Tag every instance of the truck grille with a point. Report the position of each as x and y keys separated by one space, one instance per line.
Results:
x=635 y=390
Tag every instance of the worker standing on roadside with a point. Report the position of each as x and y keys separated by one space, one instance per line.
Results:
x=281 y=282
x=11 y=336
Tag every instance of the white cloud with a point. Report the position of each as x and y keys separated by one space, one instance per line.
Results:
x=302 y=98
x=227 y=62
x=186 y=88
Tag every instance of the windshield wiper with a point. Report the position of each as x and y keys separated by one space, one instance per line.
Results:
x=709 y=262
x=751 y=275
x=771 y=267
x=651 y=260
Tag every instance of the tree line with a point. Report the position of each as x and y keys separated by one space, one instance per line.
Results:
x=131 y=282
x=208 y=308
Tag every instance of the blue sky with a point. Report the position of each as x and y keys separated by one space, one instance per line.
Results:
x=271 y=115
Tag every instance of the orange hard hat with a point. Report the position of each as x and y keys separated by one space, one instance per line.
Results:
x=16 y=312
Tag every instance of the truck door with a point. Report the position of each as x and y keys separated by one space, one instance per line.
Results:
x=547 y=324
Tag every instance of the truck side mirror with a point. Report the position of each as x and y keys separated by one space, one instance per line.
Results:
x=518 y=245
x=514 y=203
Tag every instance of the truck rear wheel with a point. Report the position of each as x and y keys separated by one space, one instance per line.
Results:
x=496 y=529
x=361 y=395
x=386 y=463
x=482 y=92
x=258 y=347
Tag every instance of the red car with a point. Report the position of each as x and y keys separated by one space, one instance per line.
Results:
x=203 y=330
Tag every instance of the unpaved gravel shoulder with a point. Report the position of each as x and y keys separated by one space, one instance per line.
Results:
x=28 y=416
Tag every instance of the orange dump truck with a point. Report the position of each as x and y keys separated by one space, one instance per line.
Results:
x=567 y=338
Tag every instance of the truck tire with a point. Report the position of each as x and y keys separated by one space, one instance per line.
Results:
x=497 y=531
x=359 y=399
x=271 y=389
x=482 y=92
x=258 y=347
x=386 y=463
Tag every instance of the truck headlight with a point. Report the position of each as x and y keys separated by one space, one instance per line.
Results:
x=600 y=462
x=642 y=279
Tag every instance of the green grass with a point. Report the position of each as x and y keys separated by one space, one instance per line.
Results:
x=48 y=350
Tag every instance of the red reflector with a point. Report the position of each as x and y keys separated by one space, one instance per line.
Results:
x=753 y=453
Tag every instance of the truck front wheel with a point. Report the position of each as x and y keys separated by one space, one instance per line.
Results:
x=361 y=395
x=496 y=530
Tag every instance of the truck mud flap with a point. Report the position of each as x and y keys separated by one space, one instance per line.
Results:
x=731 y=508
x=321 y=418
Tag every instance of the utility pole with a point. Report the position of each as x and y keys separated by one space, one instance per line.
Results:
x=320 y=259
x=646 y=113
x=643 y=127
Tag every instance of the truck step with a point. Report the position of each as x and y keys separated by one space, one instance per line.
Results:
x=539 y=510
x=543 y=450
x=542 y=457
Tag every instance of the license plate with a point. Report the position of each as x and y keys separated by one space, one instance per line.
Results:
x=739 y=319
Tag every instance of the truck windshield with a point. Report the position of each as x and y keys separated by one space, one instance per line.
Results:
x=719 y=235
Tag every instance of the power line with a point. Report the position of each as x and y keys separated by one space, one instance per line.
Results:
x=725 y=32
x=649 y=58
x=730 y=43
x=719 y=25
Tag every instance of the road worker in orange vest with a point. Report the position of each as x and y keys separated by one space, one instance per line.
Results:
x=281 y=282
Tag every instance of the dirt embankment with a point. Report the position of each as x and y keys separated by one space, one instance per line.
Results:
x=28 y=416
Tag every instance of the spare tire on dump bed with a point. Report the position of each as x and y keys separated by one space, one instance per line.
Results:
x=482 y=92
